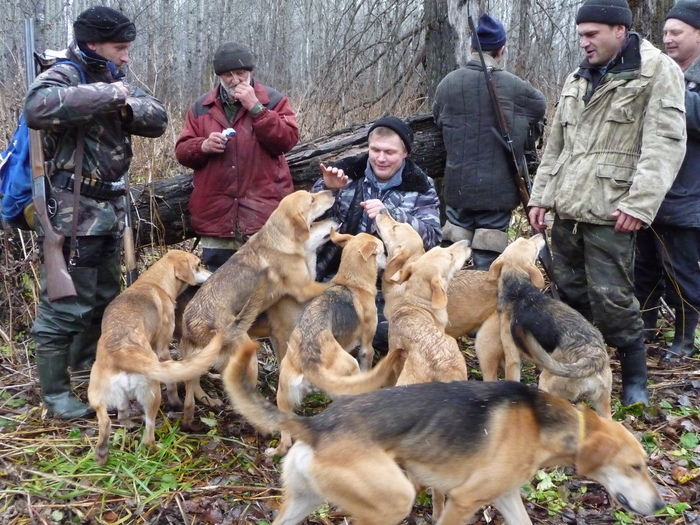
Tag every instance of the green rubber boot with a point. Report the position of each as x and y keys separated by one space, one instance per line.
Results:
x=52 y=367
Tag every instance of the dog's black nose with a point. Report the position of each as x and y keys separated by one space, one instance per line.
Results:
x=659 y=505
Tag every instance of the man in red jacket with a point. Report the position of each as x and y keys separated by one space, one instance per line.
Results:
x=239 y=176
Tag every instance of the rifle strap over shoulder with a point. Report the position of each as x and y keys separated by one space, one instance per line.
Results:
x=79 y=150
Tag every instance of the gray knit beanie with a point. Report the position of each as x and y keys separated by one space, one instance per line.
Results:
x=687 y=11
x=230 y=56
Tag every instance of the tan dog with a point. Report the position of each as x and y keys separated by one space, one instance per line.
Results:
x=274 y=261
x=418 y=316
x=476 y=441
x=280 y=319
x=568 y=349
x=471 y=294
x=333 y=325
x=137 y=329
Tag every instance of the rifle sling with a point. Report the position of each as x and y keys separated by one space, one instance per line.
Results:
x=79 y=150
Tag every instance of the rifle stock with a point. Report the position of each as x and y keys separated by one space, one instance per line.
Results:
x=520 y=175
x=59 y=284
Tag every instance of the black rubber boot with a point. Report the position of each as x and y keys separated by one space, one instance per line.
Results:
x=633 y=362
x=82 y=353
x=52 y=367
x=482 y=259
x=684 y=338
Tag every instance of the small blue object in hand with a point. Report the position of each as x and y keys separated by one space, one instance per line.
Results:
x=229 y=132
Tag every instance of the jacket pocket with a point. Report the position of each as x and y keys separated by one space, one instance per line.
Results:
x=669 y=125
x=613 y=183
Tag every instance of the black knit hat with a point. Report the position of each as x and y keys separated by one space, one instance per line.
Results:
x=103 y=24
x=402 y=129
x=230 y=56
x=492 y=34
x=611 y=12
x=687 y=11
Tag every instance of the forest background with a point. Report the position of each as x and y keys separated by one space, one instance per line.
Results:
x=341 y=63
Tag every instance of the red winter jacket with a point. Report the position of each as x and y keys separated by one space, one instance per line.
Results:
x=247 y=181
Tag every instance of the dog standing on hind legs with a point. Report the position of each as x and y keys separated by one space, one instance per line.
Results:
x=342 y=318
x=476 y=441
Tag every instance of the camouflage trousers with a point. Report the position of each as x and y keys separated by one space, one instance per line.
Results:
x=594 y=270
x=97 y=280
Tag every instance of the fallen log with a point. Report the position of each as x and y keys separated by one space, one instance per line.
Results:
x=160 y=214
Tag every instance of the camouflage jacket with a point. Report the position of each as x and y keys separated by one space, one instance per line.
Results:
x=617 y=147
x=59 y=104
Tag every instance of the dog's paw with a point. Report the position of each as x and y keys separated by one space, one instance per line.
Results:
x=273 y=451
x=211 y=401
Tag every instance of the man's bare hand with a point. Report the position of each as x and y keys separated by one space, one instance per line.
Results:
x=373 y=207
x=333 y=178
x=216 y=143
x=536 y=217
x=245 y=94
x=626 y=223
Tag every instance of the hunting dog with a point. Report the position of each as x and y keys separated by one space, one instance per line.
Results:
x=332 y=326
x=280 y=319
x=567 y=348
x=476 y=441
x=273 y=260
x=137 y=329
x=471 y=294
x=418 y=315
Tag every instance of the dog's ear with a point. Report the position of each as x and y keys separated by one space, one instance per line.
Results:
x=394 y=264
x=402 y=275
x=535 y=276
x=367 y=249
x=341 y=239
x=596 y=450
x=183 y=271
x=496 y=269
x=439 y=298
x=299 y=227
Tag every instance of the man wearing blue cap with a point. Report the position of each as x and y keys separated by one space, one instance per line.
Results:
x=479 y=191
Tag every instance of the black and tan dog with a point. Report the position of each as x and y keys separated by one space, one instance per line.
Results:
x=274 y=260
x=476 y=441
x=136 y=331
x=341 y=319
x=568 y=349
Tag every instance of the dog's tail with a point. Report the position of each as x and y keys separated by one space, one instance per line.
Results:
x=262 y=414
x=381 y=375
x=587 y=365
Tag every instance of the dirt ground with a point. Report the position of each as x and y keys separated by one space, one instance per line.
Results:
x=222 y=476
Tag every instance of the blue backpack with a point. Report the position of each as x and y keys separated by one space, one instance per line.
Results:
x=16 y=172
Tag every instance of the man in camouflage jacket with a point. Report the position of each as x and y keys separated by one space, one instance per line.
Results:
x=109 y=111
x=616 y=144
x=384 y=178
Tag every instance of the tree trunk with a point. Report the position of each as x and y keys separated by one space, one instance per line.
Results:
x=648 y=18
x=160 y=212
x=440 y=41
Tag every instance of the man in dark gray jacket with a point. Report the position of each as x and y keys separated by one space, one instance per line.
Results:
x=668 y=252
x=479 y=191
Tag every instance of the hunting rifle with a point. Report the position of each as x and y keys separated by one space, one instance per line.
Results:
x=521 y=177
x=59 y=284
